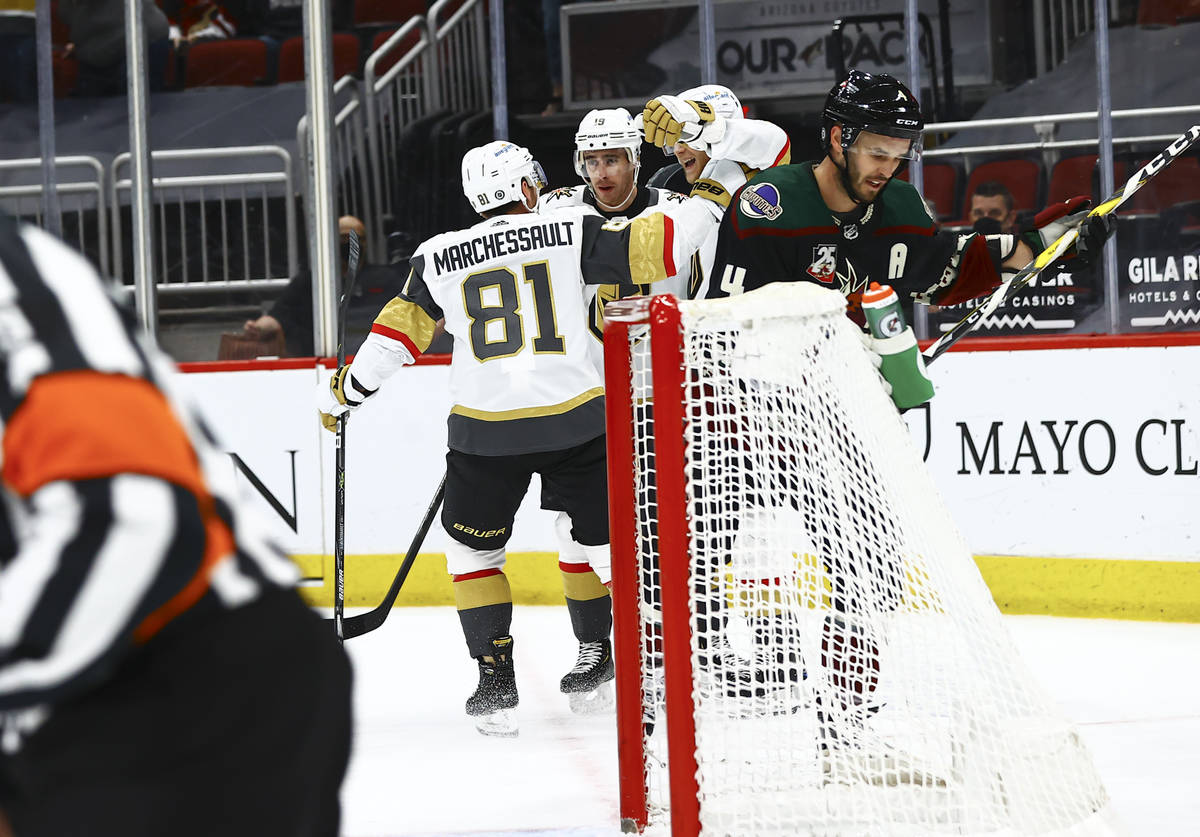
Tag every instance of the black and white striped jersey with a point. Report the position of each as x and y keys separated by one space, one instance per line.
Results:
x=119 y=518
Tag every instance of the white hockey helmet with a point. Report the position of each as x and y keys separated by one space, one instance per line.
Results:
x=720 y=98
x=602 y=129
x=492 y=175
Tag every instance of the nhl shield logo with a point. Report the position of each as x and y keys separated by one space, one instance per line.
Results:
x=824 y=263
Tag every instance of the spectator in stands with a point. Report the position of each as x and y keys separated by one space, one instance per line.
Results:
x=18 y=70
x=97 y=31
x=992 y=208
x=292 y=313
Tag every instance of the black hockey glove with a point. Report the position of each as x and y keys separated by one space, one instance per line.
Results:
x=1093 y=233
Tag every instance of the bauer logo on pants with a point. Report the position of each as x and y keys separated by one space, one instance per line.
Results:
x=761 y=201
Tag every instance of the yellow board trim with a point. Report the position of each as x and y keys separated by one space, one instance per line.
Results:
x=529 y=412
x=1156 y=591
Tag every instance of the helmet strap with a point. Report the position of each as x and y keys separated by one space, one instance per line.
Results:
x=844 y=176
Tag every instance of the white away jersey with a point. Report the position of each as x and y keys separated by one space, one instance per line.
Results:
x=511 y=292
x=649 y=199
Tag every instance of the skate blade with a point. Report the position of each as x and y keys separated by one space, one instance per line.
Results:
x=598 y=701
x=499 y=724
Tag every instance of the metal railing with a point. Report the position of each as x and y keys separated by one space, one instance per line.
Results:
x=406 y=90
x=355 y=194
x=1045 y=127
x=205 y=222
x=79 y=200
x=460 y=32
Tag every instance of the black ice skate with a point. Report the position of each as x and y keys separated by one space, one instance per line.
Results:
x=849 y=754
x=587 y=685
x=496 y=695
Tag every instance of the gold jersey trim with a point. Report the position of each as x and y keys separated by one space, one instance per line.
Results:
x=528 y=412
x=647 y=243
x=409 y=319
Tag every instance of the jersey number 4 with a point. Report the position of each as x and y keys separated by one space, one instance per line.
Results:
x=493 y=303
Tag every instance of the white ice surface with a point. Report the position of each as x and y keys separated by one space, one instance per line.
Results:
x=420 y=768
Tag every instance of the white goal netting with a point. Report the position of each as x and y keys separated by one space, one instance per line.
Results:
x=850 y=673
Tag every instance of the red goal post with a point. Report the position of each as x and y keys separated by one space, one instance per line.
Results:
x=802 y=640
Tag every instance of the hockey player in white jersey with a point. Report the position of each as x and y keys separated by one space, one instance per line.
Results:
x=527 y=396
x=718 y=148
x=608 y=147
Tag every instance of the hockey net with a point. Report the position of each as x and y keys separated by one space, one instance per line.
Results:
x=804 y=644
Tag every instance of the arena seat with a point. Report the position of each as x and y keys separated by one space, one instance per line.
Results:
x=1167 y=12
x=941 y=188
x=368 y=12
x=345 y=57
x=1022 y=177
x=1179 y=182
x=241 y=62
x=410 y=40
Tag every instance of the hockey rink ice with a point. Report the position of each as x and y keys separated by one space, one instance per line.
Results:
x=420 y=768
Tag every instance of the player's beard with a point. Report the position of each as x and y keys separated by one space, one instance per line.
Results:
x=848 y=181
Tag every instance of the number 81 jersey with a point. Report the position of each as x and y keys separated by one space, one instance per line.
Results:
x=511 y=292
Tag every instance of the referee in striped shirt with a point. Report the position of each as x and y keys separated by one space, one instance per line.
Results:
x=158 y=675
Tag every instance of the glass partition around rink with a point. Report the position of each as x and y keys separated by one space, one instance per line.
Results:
x=1011 y=96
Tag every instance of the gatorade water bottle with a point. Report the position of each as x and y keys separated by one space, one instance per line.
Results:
x=903 y=366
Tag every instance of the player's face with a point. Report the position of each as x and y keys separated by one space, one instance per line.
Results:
x=610 y=172
x=872 y=161
x=992 y=206
x=693 y=161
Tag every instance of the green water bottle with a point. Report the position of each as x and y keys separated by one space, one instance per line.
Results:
x=903 y=365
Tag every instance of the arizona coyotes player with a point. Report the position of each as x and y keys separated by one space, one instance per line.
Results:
x=527 y=396
x=843 y=222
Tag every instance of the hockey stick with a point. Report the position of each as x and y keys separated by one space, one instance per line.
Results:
x=1054 y=252
x=339 y=456
x=372 y=619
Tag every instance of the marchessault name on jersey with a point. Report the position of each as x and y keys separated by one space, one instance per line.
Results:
x=502 y=243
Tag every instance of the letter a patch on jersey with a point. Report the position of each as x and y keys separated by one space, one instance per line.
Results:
x=824 y=263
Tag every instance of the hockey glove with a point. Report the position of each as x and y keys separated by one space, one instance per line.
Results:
x=1053 y=222
x=670 y=119
x=1093 y=233
x=340 y=396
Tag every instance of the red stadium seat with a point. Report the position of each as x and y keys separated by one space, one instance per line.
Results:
x=66 y=74
x=1179 y=182
x=941 y=187
x=408 y=42
x=367 y=12
x=345 y=57
x=1022 y=177
x=1167 y=12
x=239 y=62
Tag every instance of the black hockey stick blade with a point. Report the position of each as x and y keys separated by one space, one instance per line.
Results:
x=372 y=619
x=1058 y=248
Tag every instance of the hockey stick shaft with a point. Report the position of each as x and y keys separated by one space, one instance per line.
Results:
x=1055 y=251
x=372 y=619
x=339 y=459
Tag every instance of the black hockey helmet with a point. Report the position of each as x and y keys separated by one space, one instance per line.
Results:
x=872 y=102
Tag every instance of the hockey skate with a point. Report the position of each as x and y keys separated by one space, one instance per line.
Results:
x=849 y=754
x=496 y=696
x=588 y=686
